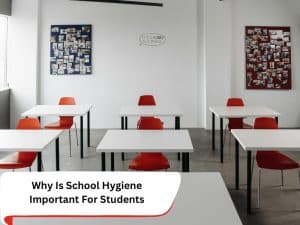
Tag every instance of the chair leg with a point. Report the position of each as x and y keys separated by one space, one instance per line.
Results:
x=299 y=174
x=258 y=188
x=29 y=168
x=70 y=142
x=282 y=183
x=225 y=134
x=252 y=169
x=76 y=134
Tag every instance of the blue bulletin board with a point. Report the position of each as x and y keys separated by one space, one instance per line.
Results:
x=71 y=50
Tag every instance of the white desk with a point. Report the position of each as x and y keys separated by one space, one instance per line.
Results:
x=202 y=199
x=30 y=140
x=263 y=140
x=148 y=111
x=146 y=141
x=64 y=110
x=224 y=112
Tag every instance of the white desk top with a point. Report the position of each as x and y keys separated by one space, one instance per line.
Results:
x=244 y=111
x=167 y=110
x=58 y=110
x=146 y=141
x=24 y=140
x=202 y=199
x=253 y=140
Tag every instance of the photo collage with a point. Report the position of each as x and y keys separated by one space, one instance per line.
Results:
x=71 y=50
x=268 y=58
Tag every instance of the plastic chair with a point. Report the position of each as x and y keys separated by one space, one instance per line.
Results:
x=272 y=160
x=65 y=122
x=20 y=160
x=150 y=161
x=235 y=123
x=145 y=100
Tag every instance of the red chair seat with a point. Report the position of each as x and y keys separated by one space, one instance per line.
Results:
x=149 y=162
x=12 y=161
x=275 y=160
x=58 y=126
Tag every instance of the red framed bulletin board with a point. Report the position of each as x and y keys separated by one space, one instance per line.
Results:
x=268 y=58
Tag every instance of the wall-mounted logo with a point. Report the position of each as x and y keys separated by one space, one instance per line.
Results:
x=152 y=39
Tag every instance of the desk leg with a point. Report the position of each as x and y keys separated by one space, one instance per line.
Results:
x=277 y=119
x=81 y=137
x=221 y=141
x=177 y=127
x=112 y=161
x=57 y=154
x=122 y=127
x=185 y=162
x=89 y=129
x=39 y=162
x=126 y=123
x=249 y=179
x=213 y=125
x=237 y=166
x=103 y=161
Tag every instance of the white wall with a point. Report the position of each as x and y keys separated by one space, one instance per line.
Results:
x=268 y=12
x=225 y=58
x=123 y=69
x=217 y=54
x=22 y=56
x=202 y=63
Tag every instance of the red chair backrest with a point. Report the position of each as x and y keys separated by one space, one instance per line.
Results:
x=150 y=123
x=66 y=120
x=235 y=102
x=146 y=100
x=28 y=124
x=235 y=123
x=265 y=123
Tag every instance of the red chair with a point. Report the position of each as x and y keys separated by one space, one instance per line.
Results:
x=236 y=123
x=150 y=161
x=20 y=160
x=272 y=160
x=65 y=122
x=145 y=100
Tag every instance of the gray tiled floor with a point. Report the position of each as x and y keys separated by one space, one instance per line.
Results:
x=278 y=206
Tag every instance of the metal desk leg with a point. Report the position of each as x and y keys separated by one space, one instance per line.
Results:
x=126 y=123
x=213 y=138
x=237 y=165
x=249 y=179
x=177 y=127
x=89 y=129
x=39 y=162
x=122 y=127
x=112 y=161
x=57 y=154
x=81 y=137
x=103 y=161
x=221 y=141
x=185 y=162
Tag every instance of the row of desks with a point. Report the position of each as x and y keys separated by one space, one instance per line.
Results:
x=152 y=141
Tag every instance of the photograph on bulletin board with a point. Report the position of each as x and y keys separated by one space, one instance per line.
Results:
x=268 y=58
